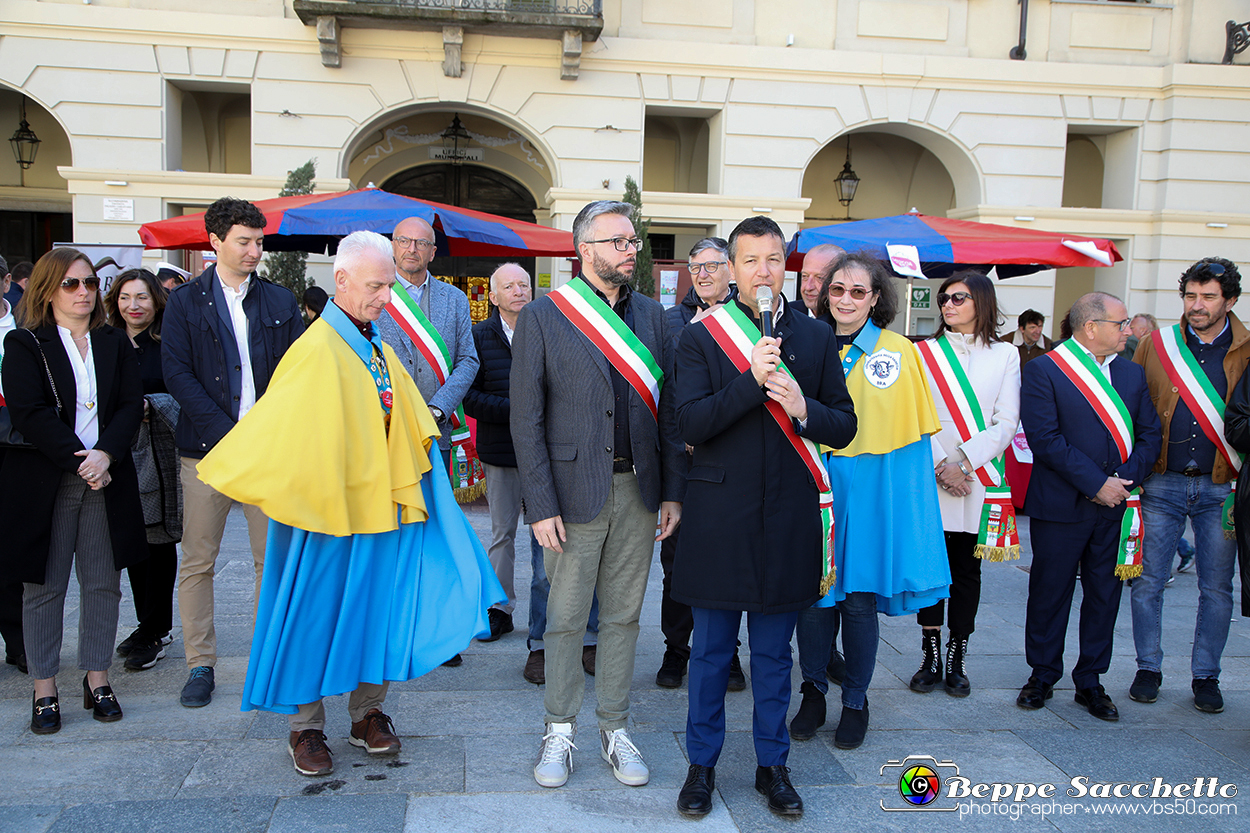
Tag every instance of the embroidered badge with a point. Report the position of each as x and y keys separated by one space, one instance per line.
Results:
x=882 y=368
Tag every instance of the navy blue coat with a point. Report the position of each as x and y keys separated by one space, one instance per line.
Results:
x=487 y=399
x=1073 y=453
x=750 y=526
x=194 y=361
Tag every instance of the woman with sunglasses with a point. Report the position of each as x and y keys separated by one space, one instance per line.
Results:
x=889 y=555
x=975 y=380
x=135 y=304
x=72 y=386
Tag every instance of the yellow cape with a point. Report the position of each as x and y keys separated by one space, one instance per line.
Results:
x=314 y=452
x=896 y=416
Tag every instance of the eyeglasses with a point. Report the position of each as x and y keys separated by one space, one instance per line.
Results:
x=409 y=242
x=709 y=268
x=622 y=244
x=71 y=284
x=1122 y=324
x=856 y=292
x=957 y=298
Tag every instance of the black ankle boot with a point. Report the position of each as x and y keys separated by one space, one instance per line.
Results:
x=811 y=714
x=957 y=684
x=930 y=673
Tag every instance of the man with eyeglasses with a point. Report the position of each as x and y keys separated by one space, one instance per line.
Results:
x=1094 y=436
x=1192 y=369
x=596 y=444
x=812 y=274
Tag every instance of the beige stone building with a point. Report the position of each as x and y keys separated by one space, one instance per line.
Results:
x=1120 y=120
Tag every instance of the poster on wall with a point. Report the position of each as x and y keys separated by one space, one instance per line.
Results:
x=110 y=259
x=668 y=287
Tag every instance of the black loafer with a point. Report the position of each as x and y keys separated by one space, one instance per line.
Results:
x=18 y=660
x=45 y=715
x=773 y=782
x=101 y=702
x=1095 y=699
x=695 y=798
x=1035 y=694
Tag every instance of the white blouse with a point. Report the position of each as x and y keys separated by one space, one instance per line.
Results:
x=86 y=405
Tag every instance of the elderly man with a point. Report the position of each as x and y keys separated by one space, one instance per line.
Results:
x=1192 y=369
x=598 y=452
x=488 y=402
x=812 y=274
x=367 y=547
x=754 y=535
x=1094 y=436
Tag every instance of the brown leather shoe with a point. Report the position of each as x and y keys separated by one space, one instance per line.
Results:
x=309 y=753
x=588 y=658
x=536 y=668
x=375 y=733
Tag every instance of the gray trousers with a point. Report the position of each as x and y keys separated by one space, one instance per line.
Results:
x=612 y=555
x=80 y=538
x=503 y=492
x=313 y=715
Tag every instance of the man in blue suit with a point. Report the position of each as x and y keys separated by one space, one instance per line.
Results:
x=1085 y=468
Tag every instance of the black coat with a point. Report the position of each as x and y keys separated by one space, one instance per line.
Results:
x=487 y=399
x=679 y=315
x=750 y=526
x=1237 y=432
x=30 y=478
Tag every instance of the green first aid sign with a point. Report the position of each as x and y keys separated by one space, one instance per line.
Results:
x=921 y=297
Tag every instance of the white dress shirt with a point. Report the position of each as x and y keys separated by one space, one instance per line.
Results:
x=1104 y=366
x=86 y=394
x=507 y=331
x=238 y=320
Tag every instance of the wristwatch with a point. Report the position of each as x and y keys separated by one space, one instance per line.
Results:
x=438 y=414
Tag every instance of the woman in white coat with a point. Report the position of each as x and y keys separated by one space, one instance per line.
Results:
x=975 y=379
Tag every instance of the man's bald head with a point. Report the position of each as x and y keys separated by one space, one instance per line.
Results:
x=413 y=245
x=815 y=266
x=510 y=291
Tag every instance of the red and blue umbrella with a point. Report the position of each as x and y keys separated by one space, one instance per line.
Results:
x=946 y=246
x=316 y=222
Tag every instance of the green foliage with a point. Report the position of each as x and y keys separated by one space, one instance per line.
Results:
x=643 y=280
x=289 y=268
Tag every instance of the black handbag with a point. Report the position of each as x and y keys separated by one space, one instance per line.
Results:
x=10 y=437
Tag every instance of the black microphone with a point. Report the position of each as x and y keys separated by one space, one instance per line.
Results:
x=764 y=300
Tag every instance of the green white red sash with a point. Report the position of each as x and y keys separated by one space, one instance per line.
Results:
x=998 y=538
x=1081 y=370
x=594 y=319
x=468 y=479
x=737 y=335
x=1204 y=402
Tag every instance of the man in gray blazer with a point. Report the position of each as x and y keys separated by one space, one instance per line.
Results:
x=448 y=310
x=596 y=463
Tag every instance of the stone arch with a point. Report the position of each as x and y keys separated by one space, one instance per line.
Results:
x=56 y=142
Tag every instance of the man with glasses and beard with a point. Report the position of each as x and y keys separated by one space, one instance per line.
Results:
x=1192 y=369
x=596 y=444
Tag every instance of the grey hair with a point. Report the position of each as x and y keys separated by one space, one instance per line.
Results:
x=500 y=268
x=716 y=243
x=587 y=216
x=359 y=243
x=1150 y=319
x=1088 y=308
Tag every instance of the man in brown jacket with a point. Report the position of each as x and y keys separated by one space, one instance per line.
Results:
x=1191 y=370
x=1029 y=338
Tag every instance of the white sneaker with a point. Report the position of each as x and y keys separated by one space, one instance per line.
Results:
x=555 y=758
x=626 y=760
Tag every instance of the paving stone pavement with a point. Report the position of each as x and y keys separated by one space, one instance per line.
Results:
x=471 y=733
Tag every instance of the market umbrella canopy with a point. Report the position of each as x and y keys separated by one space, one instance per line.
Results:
x=316 y=222
x=946 y=246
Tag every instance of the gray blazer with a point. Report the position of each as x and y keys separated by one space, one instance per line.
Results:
x=561 y=417
x=448 y=310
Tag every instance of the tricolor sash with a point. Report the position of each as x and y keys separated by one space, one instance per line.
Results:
x=1097 y=390
x=998 y=538
x=1204 y=402
x=737 y=335
x=468 y=479
x=594 y=319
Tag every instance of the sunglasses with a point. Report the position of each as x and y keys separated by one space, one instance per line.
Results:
x=856 y=292
x=957 y=299
x=1211 y=268
x=71 y=284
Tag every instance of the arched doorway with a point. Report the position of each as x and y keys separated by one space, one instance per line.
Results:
x=35 y=205
x=467 y=186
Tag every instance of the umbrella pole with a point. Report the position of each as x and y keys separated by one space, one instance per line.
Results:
x=907 y=310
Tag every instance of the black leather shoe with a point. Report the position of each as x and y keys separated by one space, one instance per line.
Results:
x=18 y=660
x=695 y=798
x=811 y=714
x=500 y=623
x=737 y=680
x=101 y=702
x=773 y=782
x=836 y=669
x=672 y=669
x=454 y=662
x=1097 y=702
x=1035 y=694
x=45 y=715
x=852 y=727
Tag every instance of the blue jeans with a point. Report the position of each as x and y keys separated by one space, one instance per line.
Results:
x=1167 y=500
x=539 y=588
x=815 y=631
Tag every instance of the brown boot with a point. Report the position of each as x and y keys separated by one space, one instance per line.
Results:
x=536 y=668
x=375 y=733
x=309 y=753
